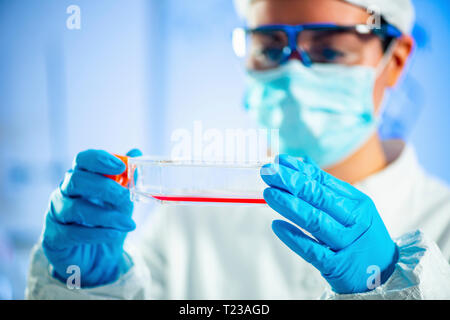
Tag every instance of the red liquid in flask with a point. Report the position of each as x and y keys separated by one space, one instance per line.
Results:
x=210 y=199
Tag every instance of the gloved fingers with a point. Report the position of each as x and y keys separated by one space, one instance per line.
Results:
x=90 y=185
x=323 y=227
x=99 y=161
x=311 y=170
x=134 y=153
x=61 y=236
x=307 y=248
x=292 y=162
x=318 y=195
x=81 y=212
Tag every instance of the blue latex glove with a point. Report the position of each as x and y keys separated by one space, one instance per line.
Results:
x=88 y=219
x=350 y=237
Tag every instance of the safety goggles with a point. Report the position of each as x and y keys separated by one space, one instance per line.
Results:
x=269 y=46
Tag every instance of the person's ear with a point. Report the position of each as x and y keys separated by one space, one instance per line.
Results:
x=402 y=51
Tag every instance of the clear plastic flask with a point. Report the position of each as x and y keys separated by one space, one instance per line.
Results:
x=195 y=182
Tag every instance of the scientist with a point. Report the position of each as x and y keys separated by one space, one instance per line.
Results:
x=371 y=225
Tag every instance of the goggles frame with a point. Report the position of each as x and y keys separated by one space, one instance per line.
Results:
x=384 y=32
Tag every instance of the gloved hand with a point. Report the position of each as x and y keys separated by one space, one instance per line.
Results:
x=88 y=219
x=351 y=241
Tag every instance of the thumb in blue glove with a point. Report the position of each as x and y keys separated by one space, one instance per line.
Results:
x=88 y=218
x=349 y=238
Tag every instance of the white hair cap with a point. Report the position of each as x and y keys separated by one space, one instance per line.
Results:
x=399 y=13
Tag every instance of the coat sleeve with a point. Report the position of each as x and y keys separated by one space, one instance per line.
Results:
x=144 y=280
x=421 y=273
x=135 y=284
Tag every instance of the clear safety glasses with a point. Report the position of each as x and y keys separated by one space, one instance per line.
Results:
x=192 y=182
x=269 y=46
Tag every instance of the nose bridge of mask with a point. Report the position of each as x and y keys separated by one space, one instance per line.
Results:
x=322 y=87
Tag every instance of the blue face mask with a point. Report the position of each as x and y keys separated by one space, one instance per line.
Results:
x=325 y=112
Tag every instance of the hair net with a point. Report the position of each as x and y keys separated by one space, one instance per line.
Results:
x=399 y=13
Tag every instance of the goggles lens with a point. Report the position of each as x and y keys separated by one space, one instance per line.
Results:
x=267 y=48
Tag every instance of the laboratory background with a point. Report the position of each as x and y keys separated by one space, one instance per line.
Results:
x=132 y=72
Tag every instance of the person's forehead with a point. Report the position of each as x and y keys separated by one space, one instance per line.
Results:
x=305 y=11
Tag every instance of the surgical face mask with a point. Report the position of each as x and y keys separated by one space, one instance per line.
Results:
x=325 y=112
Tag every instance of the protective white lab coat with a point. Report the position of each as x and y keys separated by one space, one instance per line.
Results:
x=231 y=253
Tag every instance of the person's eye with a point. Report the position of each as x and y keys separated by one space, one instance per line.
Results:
x=327 y=55
x=272 y=54
x=332 y=54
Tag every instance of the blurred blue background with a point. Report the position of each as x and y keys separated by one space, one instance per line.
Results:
x=134 y=72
